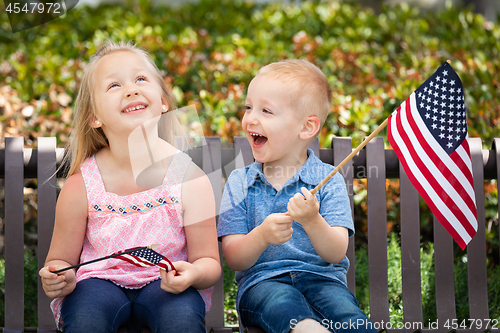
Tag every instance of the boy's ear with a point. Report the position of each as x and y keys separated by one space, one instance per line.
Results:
x=310 y=128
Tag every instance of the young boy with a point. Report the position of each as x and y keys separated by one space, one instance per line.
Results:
x=287 y=245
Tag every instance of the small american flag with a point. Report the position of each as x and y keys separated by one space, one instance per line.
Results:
x=428 y=132
x=146 y=257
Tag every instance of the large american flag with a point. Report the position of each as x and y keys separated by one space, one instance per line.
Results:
x=428 y=132
x=145 y=258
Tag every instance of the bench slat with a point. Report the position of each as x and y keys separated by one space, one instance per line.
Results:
x=342 y=147
x=410 y=250
x=242 y=145
x=14 y=235
x=211 y=164
x=496 y=147
x=444 y=274
x=476 y=250
x=315 y=147
x=377 y=231
x=47 y=196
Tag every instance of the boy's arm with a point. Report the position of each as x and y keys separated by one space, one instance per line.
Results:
x=243 y=250
x=330 y=242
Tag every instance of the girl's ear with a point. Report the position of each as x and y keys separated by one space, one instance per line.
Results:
x=94 y=122
x=310 y=128
x=165 y=105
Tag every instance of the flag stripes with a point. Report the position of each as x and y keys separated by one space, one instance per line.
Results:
x=444 y=181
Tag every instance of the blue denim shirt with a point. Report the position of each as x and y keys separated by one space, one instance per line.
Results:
x=249 y=198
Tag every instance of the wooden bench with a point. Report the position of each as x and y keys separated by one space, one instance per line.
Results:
x=373 y=163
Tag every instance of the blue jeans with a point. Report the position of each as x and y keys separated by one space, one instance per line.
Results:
x=101 y=306
x=278 y=304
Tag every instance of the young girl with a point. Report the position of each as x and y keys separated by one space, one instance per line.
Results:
x=103 y=209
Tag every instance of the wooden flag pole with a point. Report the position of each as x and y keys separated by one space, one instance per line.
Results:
x=107 y=257
x=350 y=156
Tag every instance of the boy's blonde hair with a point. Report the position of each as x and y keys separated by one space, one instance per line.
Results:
x=309 y=91
x=85 y=140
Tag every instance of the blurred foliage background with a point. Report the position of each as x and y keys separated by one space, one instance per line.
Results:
x=209 y=52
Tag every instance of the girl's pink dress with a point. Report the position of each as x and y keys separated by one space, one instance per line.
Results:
x=116 y=223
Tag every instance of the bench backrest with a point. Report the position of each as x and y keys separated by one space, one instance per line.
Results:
x=373 y=163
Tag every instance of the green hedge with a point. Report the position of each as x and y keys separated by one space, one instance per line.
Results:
x=212 y=49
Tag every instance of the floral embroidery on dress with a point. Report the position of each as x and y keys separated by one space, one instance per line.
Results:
x=140 y=208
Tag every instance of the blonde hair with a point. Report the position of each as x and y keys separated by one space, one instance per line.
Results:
x=85 y=140
x=310 y=90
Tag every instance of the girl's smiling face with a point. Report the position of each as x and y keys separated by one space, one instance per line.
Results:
x=270 y=123
x=126 y=93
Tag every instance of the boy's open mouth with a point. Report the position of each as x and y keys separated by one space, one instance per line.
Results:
x=258 y=140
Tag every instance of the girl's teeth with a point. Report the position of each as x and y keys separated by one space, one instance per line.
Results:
x=135 y=108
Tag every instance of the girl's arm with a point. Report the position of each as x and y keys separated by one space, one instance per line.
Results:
x=203 y=267
x=67 y=238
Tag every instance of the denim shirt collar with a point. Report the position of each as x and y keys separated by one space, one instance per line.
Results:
x=307 y=172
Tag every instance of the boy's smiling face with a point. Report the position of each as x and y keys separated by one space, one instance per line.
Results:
x=270 y=123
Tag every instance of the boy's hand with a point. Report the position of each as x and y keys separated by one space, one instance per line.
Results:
x=277 y=228
x=303 y=209
x=54 y=284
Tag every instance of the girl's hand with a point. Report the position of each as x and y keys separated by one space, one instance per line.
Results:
x=56 y=285
x=303 y=209
x=177 y=281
